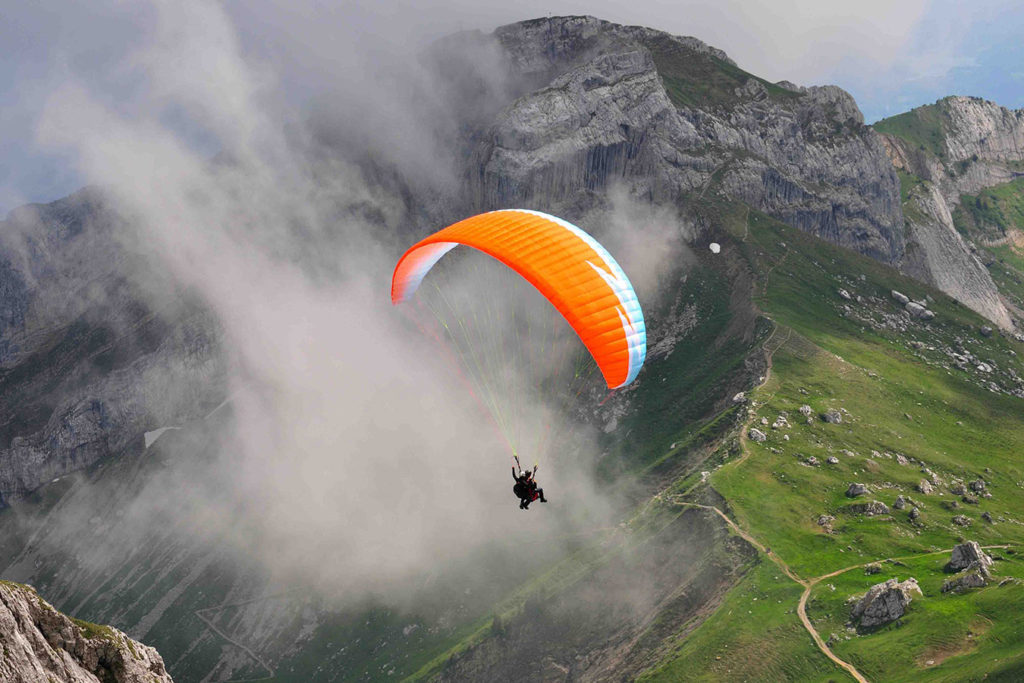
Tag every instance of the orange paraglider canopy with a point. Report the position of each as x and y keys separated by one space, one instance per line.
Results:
x=568 y=266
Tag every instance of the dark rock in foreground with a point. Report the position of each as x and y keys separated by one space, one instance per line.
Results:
x=41 y=644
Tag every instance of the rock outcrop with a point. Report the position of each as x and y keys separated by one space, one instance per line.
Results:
x=832 y=416
x=856 y=489
x=976 y=575
x=871 y=508
x=41 y=645
x=884 y=603
x=962 y=520
x=668 y=116
x=966 y=554
x=968 y=144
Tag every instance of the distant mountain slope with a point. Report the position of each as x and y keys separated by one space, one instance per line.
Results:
x=957 y=146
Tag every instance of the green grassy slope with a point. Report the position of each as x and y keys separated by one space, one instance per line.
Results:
x=902 y=395
x=992 y=212
x=695 y=79
x=754 y=635
x=674 y=401
x=944 y=637
x=923 y=128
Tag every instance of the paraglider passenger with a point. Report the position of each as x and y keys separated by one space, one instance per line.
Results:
x=526 y=488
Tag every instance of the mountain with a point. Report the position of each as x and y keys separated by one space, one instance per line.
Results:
x=670 y=118
x=945 y=151
x=796 y=362
x=87 y=363
x=41 y=644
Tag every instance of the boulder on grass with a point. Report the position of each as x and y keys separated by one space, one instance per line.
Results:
x=884 y=603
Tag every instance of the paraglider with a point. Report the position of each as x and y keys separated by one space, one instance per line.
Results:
x=574 y=272
x=526 y=488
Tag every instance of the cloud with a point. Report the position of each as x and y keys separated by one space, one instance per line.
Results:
x=355 y=458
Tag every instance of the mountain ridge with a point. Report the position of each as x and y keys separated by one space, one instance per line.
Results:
x=668 y=116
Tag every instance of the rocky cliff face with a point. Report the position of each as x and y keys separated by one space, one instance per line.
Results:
x=673 y=120
x=95 y=346
x=670 y=118
x=959 y=145
x=938 y=255
x=41 y=645
x=962 y=144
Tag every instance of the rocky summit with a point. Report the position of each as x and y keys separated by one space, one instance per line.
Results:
x=665 y=116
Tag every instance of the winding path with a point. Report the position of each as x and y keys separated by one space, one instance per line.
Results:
x=241 y=646
x=808 y=584
x=744 y=454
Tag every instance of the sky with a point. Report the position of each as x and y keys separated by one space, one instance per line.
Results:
x=890 y=56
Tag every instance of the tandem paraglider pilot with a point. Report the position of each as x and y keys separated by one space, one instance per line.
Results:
x=526 y=488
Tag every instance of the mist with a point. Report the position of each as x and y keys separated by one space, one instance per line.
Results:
x=354 y=459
